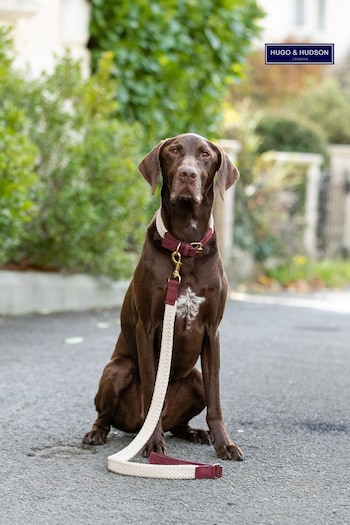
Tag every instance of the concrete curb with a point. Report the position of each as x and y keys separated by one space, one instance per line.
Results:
x=31 y=292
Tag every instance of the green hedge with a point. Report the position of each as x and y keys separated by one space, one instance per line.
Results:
x=263 y=225
x=279 y=132
x=173 y=60
x=328 y=104
x=17 y=177
x=74 y=199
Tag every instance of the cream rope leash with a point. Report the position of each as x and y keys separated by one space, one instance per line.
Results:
x=161 y=466
x=119 y=462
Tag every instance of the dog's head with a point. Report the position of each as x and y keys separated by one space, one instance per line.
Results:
x=188 y=164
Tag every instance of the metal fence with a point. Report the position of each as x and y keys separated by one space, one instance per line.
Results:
x=332 y=211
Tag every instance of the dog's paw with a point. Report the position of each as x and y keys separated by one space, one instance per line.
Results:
x=198 y=435
x=95 y=437
x=154 y=446
x=195 y=435
x=229 y=451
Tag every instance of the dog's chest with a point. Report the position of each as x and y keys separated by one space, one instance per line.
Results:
x=188 y=305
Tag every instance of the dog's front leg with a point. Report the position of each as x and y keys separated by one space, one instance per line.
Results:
x=224 y=447
x=147 y=369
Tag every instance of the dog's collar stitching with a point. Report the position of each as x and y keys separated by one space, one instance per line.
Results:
x=171 y=243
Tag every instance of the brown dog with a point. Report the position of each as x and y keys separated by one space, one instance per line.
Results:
x=188 y=164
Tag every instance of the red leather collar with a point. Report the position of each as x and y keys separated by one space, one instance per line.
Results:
x=172 y=244
x=187 y=249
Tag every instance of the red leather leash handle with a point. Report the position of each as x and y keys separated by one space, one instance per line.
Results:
x=203 y=470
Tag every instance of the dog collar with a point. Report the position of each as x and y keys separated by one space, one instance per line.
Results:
x=187 y=249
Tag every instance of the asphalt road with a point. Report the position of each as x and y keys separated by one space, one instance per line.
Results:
x=285 y=382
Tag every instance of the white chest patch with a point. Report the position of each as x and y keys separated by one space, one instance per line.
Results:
x=188 y=306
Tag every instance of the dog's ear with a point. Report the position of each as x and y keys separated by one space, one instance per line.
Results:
x=150 y=166
x=227 y=173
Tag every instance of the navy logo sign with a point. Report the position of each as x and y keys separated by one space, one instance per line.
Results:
x=299 y=54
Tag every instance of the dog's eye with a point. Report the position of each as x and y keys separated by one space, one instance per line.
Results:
x=174 y=150
x=205 y=154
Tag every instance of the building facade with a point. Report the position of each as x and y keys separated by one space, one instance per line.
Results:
x=318 y=21
x=43 y=29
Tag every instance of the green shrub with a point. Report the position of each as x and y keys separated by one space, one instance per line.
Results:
x=328 y=105
x=287 y=133
x=90 y=197
x=270 y=204
x=17 y=156
x=17 y=177
x=300 y=269
x=90 y=201
x=173 y=59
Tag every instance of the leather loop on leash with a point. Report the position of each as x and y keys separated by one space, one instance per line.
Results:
x=202 y=470
x=161 y=466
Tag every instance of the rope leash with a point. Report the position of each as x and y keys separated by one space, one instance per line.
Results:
x=161 y=466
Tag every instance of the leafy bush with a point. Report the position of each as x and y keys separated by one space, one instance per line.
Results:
x=17 y=158
x=288 y=133
x=17 y=177
x=89 y=199
x=271 y=201
x=173 y=59
x=328 y=105
x=300 y=271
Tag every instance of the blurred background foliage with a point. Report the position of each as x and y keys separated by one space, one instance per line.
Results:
x=71 y=197
x=278 y=131
x=173 y=60
x=283 y=108
x=17 y=176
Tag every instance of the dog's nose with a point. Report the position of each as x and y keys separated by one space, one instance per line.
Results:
x=188 y=173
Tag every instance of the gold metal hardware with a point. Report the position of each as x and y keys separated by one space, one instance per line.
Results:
x=197 y=245
x=176 y=258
